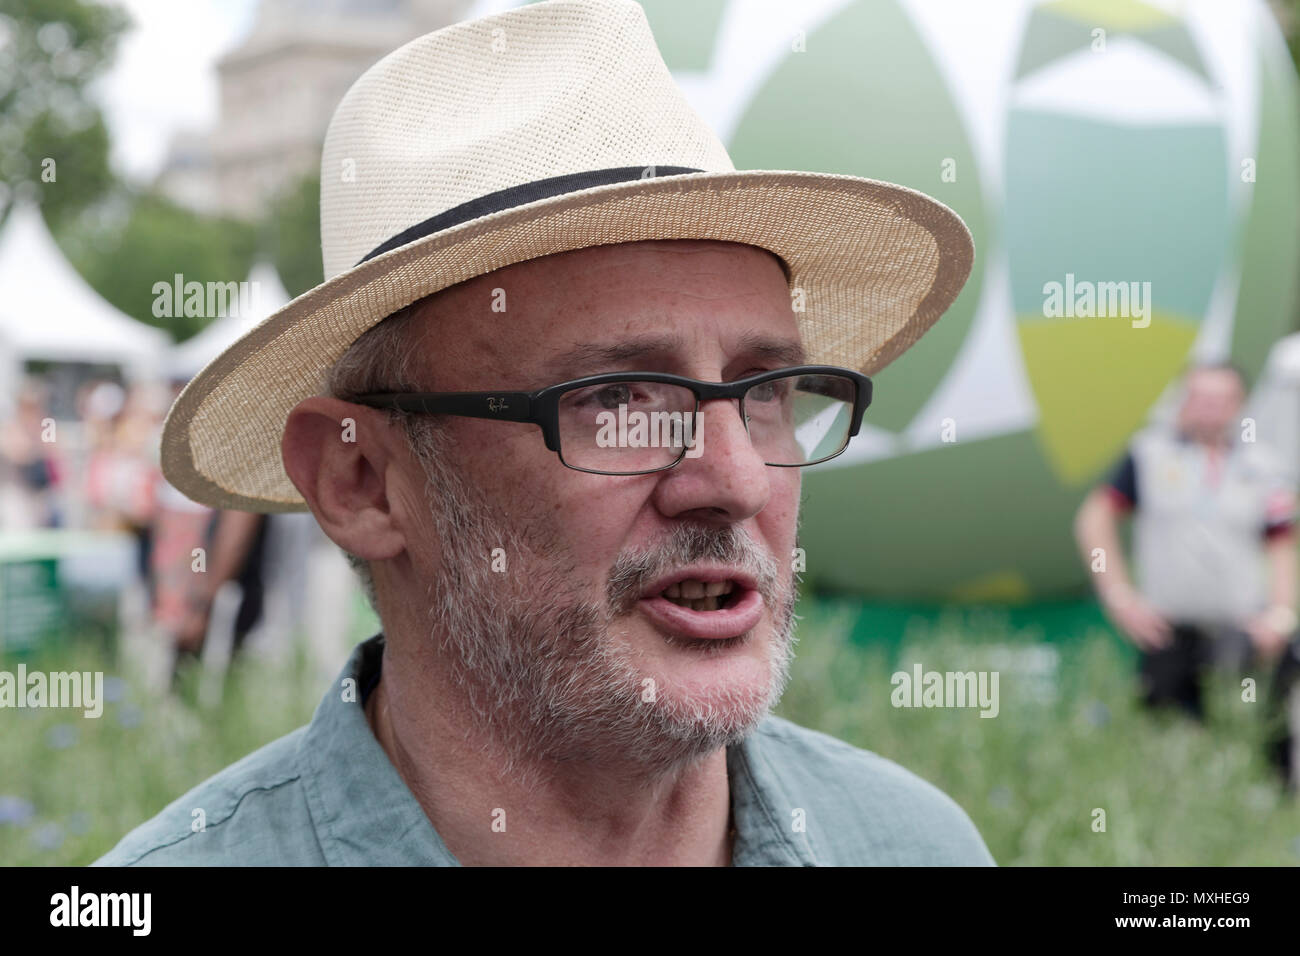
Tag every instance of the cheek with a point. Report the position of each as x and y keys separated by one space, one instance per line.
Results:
x=509 y=462
x=780 y=518
x=593 y=515
x=573 y=520
x=510 y=470
x=786 y=488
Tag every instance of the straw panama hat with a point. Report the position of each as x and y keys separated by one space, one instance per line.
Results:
x=551 y=127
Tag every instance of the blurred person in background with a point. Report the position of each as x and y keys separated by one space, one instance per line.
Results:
x=235 y=542
x=28 y=470
x=196 y=550
x=123 y=468
x=177 y=531
x=1214 y=548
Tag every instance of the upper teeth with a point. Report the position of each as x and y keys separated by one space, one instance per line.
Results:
x=694 y=589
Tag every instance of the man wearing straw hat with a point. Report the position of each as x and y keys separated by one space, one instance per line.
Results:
x=552 y=400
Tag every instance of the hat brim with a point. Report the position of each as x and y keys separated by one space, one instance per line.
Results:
x=877 y=264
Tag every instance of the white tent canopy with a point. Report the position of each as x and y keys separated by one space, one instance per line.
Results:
x=49 y=312
x=266 y=296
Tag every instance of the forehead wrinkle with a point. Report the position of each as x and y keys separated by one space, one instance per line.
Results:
x=589 y=355
x=785 y=351
x=594 y=357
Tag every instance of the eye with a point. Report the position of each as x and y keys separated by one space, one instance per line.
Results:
x=603 y=396
x=773 y=391
x=612 y=396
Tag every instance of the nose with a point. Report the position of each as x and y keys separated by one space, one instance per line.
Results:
x=728 y=481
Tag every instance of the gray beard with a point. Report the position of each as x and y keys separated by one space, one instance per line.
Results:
x=536 y=665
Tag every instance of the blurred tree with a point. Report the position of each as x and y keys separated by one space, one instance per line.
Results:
x=1288 y=15
x=158 y=240
x=53 y=141
x=291 y=236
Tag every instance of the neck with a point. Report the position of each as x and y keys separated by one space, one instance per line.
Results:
x=495 y=805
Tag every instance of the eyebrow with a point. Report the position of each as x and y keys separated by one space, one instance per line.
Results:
x=785 y=351
x=583 y=358
x=591 y=354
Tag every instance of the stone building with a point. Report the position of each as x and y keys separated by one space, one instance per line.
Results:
x=278 y=89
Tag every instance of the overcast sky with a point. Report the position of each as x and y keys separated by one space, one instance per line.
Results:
x=163 y=78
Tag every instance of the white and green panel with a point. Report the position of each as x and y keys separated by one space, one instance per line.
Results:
x=1117 y=164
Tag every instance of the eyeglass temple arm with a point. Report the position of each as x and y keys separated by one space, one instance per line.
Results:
x=865 y=389
x=502 y=406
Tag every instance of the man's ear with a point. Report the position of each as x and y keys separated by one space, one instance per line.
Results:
x=341 y=458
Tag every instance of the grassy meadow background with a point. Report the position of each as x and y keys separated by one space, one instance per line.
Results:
x=1069 y=738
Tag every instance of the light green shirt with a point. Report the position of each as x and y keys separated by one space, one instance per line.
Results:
x=327 y=794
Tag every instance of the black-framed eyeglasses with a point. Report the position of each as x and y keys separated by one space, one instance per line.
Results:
x=636 y=423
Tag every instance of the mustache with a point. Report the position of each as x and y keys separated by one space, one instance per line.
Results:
x=686 y=544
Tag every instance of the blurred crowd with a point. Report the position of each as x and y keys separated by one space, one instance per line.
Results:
x=98 y=470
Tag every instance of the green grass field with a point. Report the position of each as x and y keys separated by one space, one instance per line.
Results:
x=1173 y=793
x=1068 y=740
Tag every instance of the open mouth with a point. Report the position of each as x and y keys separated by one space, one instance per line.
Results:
x=702 y=595
x=709 y=604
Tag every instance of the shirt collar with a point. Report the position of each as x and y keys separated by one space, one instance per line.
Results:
x=765 y=834
x=365 y=815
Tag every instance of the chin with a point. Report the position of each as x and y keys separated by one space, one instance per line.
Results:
x=714 y=719
x=729 y=687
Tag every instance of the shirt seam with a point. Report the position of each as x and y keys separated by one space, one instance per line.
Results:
x=226 y=819
x=768 y=813
x=316 y=809
x=305 y=772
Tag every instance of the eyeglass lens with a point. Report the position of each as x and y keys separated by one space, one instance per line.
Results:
x=635 y=427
